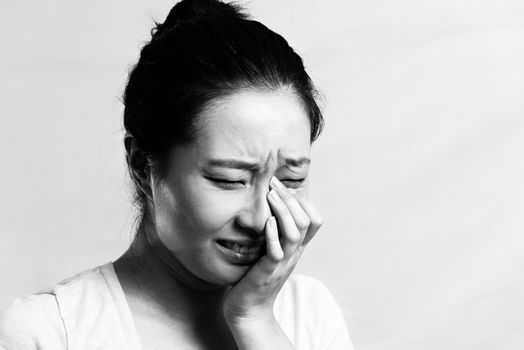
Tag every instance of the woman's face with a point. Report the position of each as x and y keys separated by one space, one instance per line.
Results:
x=215 y=192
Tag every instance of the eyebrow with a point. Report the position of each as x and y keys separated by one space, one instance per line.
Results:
x=242 y=164
x=232 y=163
x=298 y=162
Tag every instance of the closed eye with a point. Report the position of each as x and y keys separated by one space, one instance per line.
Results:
x=226 y=184
x=293 y=182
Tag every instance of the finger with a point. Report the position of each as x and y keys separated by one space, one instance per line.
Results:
x=301 y=218
x=315 y=220
x=286 y=225
x=273 y=248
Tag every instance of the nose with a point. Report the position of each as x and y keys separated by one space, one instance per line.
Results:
x=253 y=216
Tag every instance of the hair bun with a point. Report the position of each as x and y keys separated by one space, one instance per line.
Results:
x=191 y=10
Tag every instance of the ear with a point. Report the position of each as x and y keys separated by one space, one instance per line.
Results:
x=138 y=165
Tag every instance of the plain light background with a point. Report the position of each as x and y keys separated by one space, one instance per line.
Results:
x=419 y=173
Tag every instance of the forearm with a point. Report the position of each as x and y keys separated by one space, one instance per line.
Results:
x=260 y=335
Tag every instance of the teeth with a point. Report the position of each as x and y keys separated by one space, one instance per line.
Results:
x=240 y=248
x=254 y=249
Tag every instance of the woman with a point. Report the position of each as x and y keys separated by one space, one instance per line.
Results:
x=219 y=117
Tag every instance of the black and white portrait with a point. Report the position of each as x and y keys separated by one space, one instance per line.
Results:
x=205 y=174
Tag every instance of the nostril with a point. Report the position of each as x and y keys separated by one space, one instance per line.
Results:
x=249 y=230
x=254 y=215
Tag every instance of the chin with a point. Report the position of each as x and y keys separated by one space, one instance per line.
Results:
x=225 y=274
x=220 y=269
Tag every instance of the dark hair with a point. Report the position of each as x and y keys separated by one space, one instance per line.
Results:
x=204 y=50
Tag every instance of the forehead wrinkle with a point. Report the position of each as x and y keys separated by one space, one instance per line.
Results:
x=262 y=139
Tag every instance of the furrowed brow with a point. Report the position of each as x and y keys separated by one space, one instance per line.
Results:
x=232 y=164
x=298 y=162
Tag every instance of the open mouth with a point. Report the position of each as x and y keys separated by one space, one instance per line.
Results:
x=241 y=252
x=242 y=248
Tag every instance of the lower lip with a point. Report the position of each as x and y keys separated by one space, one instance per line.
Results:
x=238 y=258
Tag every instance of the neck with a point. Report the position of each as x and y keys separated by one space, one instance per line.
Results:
x=156 y=277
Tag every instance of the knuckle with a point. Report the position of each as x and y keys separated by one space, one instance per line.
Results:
x=274 y=250
x=279 y=256
x=317 y=223
x=294 y=236
x=303 y=224
x=276 y=255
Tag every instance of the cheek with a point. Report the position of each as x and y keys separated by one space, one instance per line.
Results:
x=206 y=210
x=302 y=192
x=195 y=211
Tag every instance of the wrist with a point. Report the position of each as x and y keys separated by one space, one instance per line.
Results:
x=256 y=319
x=254 y=333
